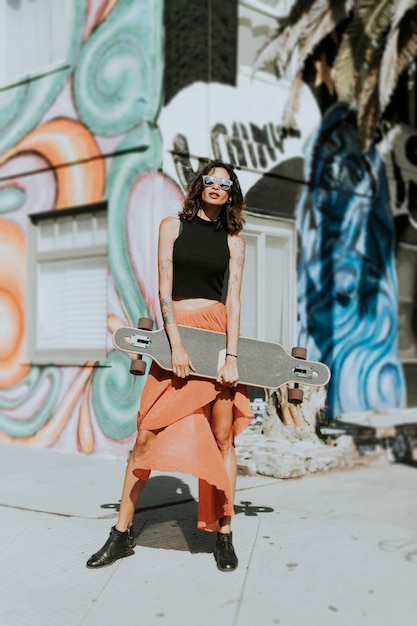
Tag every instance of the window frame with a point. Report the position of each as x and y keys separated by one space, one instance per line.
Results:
x=60 y=356
x=263 y=226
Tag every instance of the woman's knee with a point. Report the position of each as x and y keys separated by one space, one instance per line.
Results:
x=143 y=441
x=222 y=424
x=224 y=438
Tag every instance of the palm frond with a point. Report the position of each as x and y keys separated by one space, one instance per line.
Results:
x=292 y=104
x=399 y=10
x=378 y=43
x=311 y=21
x=283 y=43
x=376 y=16
x=326 y=25
x=400 y=50
x=368 y=105
x=389 y=72
x=371 y=20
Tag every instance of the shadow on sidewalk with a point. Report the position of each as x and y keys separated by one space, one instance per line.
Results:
x=166 y=517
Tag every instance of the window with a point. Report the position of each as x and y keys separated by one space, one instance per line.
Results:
x=33 y=36
x=407 y=304
x=269 y=281
x=67 y=286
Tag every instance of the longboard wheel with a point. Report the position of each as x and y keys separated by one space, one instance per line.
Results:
x=295 y=395
x=138 y=367
x=298 y=352
x=145 y=323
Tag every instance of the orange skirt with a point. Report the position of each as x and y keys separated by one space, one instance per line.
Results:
x=180 y=411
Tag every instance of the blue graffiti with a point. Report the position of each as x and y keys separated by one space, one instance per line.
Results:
x=346 y=275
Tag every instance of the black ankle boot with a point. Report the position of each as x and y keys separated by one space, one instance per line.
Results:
x=224 y=553
x=118 y=545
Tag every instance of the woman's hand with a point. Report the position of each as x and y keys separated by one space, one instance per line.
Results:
x=228 y=375
x=181 y=362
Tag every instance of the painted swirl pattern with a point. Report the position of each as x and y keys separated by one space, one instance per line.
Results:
x=53 y=140
x=114 y=84
x=347 y=283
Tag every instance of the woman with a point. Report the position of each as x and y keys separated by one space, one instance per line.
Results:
x=186 y=423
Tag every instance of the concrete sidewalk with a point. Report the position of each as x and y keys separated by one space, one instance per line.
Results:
x=337 y=548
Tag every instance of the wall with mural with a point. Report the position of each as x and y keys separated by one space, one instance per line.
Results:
x=80 y=135
x=149 y=90
x=347 y=281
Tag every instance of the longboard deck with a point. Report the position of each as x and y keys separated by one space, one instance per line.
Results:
x=261 y=363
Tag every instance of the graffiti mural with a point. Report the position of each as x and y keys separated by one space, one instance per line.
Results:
x=347 y=283
x=74 y=137
x=149 y=90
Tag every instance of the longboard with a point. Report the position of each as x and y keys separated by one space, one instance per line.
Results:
x=261 y=363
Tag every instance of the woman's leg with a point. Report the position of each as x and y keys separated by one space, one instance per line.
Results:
x=121 y=540
x=221 y=426
x=132 y=486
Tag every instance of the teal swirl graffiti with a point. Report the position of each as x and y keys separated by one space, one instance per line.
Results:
x=11 y=199
x=115 y=396
x=115 y=391
x=18 y=428
x=117 y=81
x=12 y=101
x=22 y=105
x=146 y=142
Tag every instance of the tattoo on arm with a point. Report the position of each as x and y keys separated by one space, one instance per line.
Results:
x=232 y=283
x=239 y=246
x=165 y=267
x=167 y=311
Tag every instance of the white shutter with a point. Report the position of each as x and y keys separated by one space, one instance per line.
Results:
x=249 y=294
x=278 y=265
x=72 y=304
x=67 y=279
x=269 y=281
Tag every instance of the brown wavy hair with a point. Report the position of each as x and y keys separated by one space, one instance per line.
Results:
x=231 y=217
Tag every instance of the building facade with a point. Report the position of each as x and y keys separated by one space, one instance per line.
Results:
x=106 y=115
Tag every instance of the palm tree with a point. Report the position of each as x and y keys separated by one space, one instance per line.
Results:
x=351 y=51
x=373 y=42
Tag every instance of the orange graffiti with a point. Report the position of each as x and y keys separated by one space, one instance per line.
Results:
x=49 y=433
x=74 y=154
x=114 y=322
x=105 y=10
x=12 y=303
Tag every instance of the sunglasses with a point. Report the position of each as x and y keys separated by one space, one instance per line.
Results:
x=223 y=183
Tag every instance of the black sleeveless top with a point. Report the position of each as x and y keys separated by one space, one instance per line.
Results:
x=200 y=260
